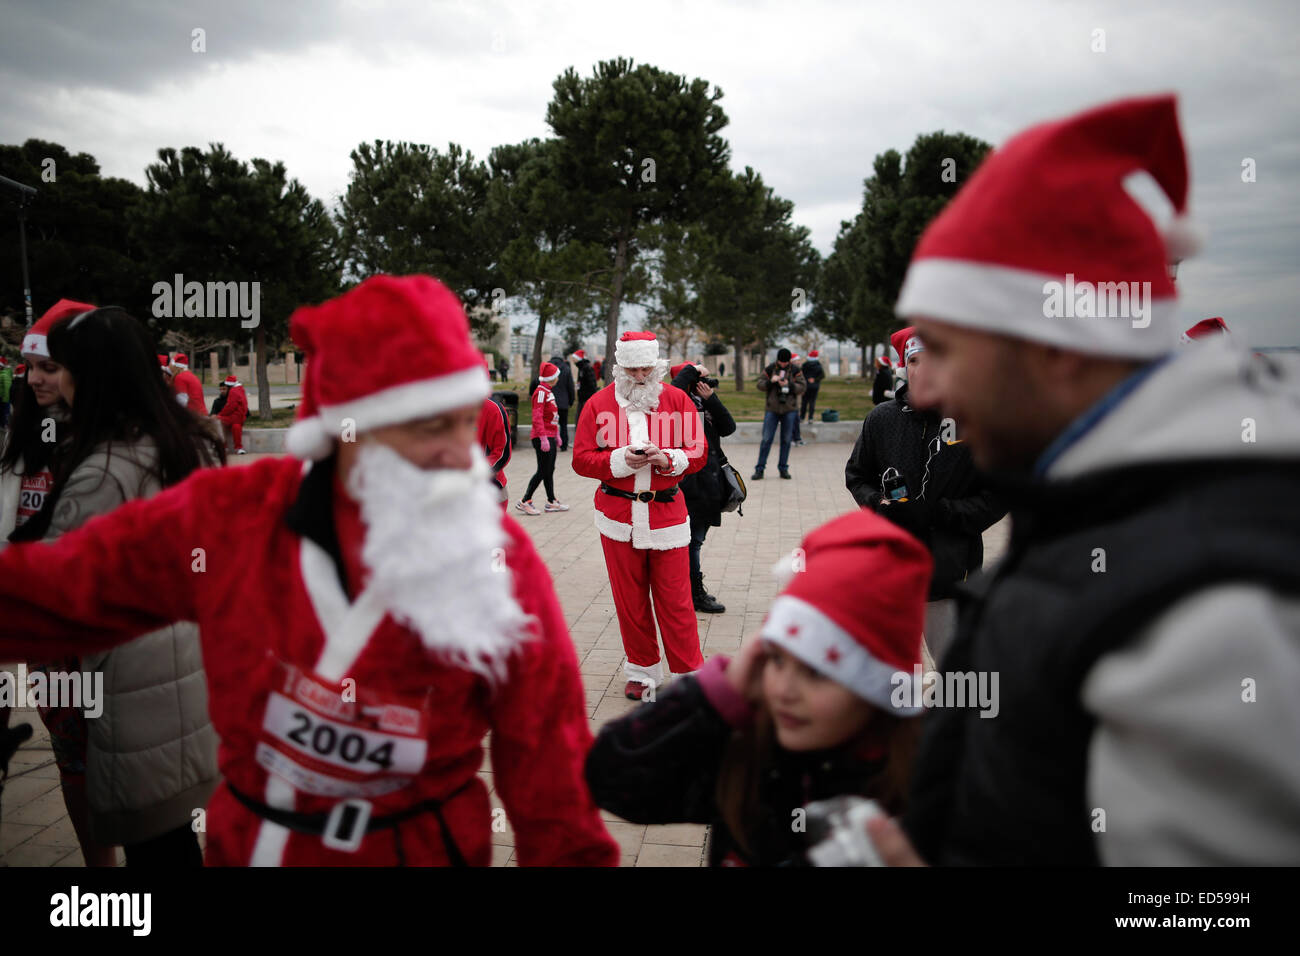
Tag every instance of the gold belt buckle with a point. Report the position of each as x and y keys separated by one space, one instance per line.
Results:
x=645 y=496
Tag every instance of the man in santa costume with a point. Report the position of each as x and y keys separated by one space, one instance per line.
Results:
x=493 y=436
x=234 y=412
x=639 y=438
x=186 y=385
x=367 y=616
x=1145 y=622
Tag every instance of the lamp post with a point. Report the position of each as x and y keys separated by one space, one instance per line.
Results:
x=25 y=194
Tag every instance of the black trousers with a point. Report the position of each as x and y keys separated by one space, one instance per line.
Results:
x=174 y=850
x=564 y=429
x=545 y=472
x=808 y=402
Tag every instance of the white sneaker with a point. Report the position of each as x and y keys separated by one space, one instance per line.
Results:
x=526 y=507
x=555 y=506
x=241 y=452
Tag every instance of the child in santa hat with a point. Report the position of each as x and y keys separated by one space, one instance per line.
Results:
x=816 y=705
x=545 y=433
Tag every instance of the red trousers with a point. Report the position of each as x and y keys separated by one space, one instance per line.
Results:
x=237 y=430
x=637 y=574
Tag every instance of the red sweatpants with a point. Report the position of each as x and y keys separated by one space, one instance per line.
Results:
x=635 y=574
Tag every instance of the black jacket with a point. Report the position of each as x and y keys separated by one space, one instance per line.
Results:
x=883 y=382
x=587 y=384
x=703 y=489
x=950 y=505
x=659 y=764
x=813 y=373
x=563 y=387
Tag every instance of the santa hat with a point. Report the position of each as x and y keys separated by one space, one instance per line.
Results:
x=636 y=350
x=906 y=343
x=1049 y=212
x=180 y=361
x=677 y=369
x=549 y=372
x=4 y=361
x=884 y=361
x=866 y=638
x=231 y=382
x=34 y=342
x=20 y=371
x=1204 y=328
x=393 y=349
x=579 y=355
x=813 y=354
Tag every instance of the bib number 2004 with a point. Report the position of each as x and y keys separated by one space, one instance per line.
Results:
x=349 y=747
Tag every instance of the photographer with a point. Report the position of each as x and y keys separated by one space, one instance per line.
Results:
x=784 y=384
x=703 y=489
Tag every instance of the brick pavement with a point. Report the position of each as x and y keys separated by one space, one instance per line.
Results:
x=736 y=559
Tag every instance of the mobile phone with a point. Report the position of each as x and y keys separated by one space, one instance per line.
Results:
x=638 y=451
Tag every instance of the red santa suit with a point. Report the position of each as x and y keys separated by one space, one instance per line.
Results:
x=235 y=411
x=494 y=439
x=187 y=388
x=331 y=713
x=645 y=541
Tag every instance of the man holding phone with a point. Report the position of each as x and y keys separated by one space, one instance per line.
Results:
x=784 y=384
x=639 y=439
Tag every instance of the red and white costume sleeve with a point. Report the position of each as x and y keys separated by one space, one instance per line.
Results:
x=280 y=637
x=235 y=411
x=186 y=383
x=546 y=413
x=494 y=439
x=605 y=432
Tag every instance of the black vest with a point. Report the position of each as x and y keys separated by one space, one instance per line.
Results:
x=1012 y=789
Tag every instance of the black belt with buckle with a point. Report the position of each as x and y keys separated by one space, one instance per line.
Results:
x=668 y=494
x=343 y=825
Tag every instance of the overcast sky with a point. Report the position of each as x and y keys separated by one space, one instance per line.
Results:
x=813 y=90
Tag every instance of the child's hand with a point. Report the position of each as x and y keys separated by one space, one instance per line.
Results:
x=745 y=670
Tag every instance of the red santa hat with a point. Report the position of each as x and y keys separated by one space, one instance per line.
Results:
x=866 y=638
x=906 y=343
x=579 y=355
x=393 y=349
x=1204 y=328
x=813 y=354
x=34 y=342
x=180 y=361
x=636 y=350
x=231 y=382
x=1049 y=212
x=884 y=361
x=549 y=372
x=677 y=369
x=21 y=371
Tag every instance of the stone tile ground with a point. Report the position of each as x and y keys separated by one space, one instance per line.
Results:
x=737 y=559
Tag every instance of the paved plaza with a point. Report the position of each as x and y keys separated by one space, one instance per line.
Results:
x=737 y=561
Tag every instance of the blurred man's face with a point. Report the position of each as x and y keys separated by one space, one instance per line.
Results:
x=442 y=441
x=915 y=362
x=968 y=376
x=640 y=375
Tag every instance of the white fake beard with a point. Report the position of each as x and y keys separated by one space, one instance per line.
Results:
x=640 y=398
x=435 y=547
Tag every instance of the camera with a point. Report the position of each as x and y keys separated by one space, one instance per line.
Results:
x=711 y=382
x=837 y=832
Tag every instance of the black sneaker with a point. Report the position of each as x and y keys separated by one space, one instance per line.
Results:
x=785 y=473
x=757 y=475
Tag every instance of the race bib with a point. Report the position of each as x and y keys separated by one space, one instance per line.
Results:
x=326 y=744
x=31 y=495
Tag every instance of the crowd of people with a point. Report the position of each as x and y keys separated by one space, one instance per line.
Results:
x=1140 y=634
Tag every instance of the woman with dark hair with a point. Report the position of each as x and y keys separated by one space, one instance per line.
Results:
x=38 y=423
x=151 y=754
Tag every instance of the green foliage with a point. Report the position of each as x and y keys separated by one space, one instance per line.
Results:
x=77 y=242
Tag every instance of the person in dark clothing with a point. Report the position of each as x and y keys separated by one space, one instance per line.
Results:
x=703 y=489
x=565 y=396
x=1145 y=621
x=503 y=369
x=948 y=505
x=813 y=375
x=783 y=384
x=588 y=385
x=882 y=386
x=804 y=712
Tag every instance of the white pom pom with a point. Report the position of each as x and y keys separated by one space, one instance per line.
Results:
x=1183 y=238
x=308 y=439
x=783 y=570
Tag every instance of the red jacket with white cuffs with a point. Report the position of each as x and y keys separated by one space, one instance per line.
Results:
x=546 y=414
x=604 y=433
x=494 y=439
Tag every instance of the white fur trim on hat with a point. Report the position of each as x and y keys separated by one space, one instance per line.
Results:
x=805 y=632
x=36 y=345
x=313 y=437
x=1183 y=238
x=1013 y=302
x=637 y=353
